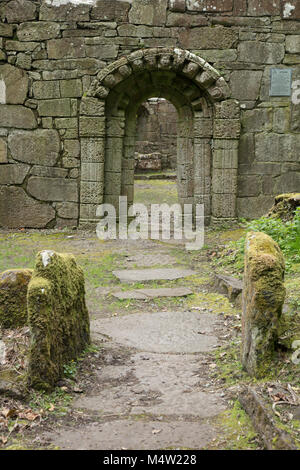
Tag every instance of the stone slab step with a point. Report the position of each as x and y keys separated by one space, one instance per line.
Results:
x=230 y=286
x=145 y=294
x=138 y=275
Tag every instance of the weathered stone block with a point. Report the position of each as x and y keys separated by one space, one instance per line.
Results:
x=281 y=120
x=202 y=185
x=287 y=182
x=211 y=6
x=46 y=89
x=72 y=148
x=13 y=294
x=19 y=11
x=92 y=172
x=112 y=183
x=57 y=317
x=91 y=192
x=257 y=120
x=92 y=126
x=135 y=31
x=224 y=180
x=68 y=12
x=49 y=171
x=66 y=48
x=57 y=107
x=66 y=123
x=71 y=88
x=53 y=189
x=6 y=30
x=92 y=150
x=18 y=210
x=15 y=83
x=177 y=5
x=208 y=38
x=13 y=173
x=38 y=31
x=263 y=298
x=245 y=84
x=106 y=52
x=228 y=109
x=17 y=116
x=106 y=10
x=263 y=7
x=261 y=52
x=224 y=206
x=149 y=13
x=92 y=106
x=69 y=162
x=40 y=146
x=67 y=210
x=203 y=127
x=249 y=185
x=227 y=128
x=88 y=211
x=246 y=149
x=225 y=158
x=293 y=44
x=3 y=151
x=273 y=147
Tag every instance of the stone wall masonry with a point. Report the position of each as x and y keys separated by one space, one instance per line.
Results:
x=52 y=135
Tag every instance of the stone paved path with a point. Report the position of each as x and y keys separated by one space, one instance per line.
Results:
x=153 y=389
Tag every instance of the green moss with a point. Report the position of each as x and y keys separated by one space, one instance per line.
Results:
x=237 y=427
x=58 y=317
x=13 y=291
x=285 y=206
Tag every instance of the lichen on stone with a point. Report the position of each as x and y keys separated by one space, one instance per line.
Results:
x=58 y=317
x=13 y=292
x=285 y=206
x=263 y=298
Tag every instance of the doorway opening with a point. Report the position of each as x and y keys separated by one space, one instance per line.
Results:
x=155 y=175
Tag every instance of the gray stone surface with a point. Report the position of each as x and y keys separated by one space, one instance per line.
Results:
x=19 y=11
x=160 y=384
x=19 y=210
x=13 y=173
x=132 y=435
x=3 y=151
x=135 y=275
x=153 y=293
x=165 y=332
x=53 y=189
x=16 y=84
x=17 y=116
x=39 y=146
x=33 y=31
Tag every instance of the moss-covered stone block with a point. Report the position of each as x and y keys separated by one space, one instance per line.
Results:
x=13 y=292
x=263 y=298
x=58 y=317
x=285 y=206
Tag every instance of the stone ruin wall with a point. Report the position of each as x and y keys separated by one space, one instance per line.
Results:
x=157 y=134
x=50 y=51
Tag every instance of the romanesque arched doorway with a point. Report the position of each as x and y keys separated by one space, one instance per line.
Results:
x=208 y=131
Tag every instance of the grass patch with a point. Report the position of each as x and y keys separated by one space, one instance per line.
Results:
x=237 y=426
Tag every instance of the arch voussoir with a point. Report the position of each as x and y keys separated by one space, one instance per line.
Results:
x=189 y=65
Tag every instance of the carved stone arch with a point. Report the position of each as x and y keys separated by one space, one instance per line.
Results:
x=208 y=130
